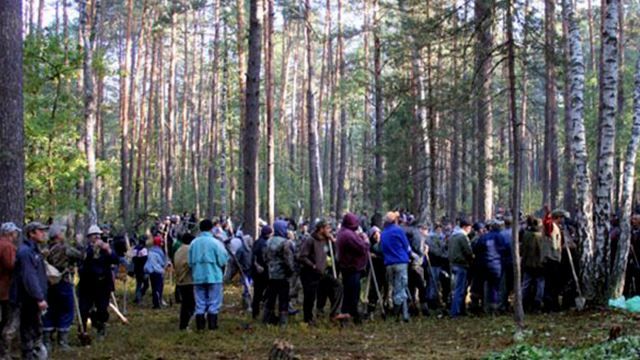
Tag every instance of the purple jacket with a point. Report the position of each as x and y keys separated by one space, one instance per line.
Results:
x=352 y=249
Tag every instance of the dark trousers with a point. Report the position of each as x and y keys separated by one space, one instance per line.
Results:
x=31 y=331
x=351 y=285
x=329 y=288
x=187 y=306
x=94 y=293
x=142 y=284
x=60 y=313
x=310 y=283
x=260 y=284
x=157 y=287
x=278 y=289
x=380 y=273
x=552 y=285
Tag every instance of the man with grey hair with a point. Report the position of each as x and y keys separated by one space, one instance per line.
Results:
x=59 y=317
x=9 y=321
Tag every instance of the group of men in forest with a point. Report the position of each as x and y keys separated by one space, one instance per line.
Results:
x=37 y=286
x=397 y=265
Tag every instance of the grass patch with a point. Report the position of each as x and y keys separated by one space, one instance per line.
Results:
x=154 y=335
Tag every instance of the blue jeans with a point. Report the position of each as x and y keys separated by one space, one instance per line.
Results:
x=460 y=290
x=398 y=277
x=529 y=280
x=157 y=289
x=208 y=298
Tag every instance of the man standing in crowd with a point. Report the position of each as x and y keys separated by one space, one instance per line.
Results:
x=437 y=262
x=313 y=263
x=9 y=233
x=279 y=257
x=532 y=266
x=259 y=271
x=140 y=256
x=397 y=253
x=460 y=258
x=59 y=316
x=29 y=291
x=353 y=252
x=552 y=258
x=184 y=281
x=96 y=281
x=207 y=257
x=156 y=263
x=416 y=269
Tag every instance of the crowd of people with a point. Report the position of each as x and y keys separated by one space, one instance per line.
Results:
x=390 y=264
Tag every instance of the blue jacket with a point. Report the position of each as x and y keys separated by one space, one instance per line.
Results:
x=489 y=250
x=508 y=244
x=30 y=276
x=394 y=245
x=207 y=257
x=156 y=261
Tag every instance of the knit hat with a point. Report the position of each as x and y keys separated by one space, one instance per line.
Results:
x=266 y=231
x=33 y=226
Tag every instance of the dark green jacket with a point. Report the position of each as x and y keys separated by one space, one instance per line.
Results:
x=460 y=252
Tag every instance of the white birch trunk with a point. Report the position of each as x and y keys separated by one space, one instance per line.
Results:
x=620 y=262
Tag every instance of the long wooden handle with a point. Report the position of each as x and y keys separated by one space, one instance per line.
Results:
x=120 y=316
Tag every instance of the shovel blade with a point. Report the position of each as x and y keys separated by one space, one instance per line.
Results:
x=580 y=303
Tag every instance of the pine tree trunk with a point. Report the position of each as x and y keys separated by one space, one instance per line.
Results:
x=224 y=109
x=271 y=181
x=550 y=173
x=484 y=20
x=11 y=113
x=251 y=138
x=379 y=124
x=170 y=129
x=516 y=190
x=524 y=161
x=342 y=166
x=622 y=252
x=582 y=181
x=124 y=120
x=213 y=134
x=315 y=183
x=606 y=149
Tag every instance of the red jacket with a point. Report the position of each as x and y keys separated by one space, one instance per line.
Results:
x=7 y=263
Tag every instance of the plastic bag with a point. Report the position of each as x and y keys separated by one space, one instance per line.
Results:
x=619 y=303
x=633 y=304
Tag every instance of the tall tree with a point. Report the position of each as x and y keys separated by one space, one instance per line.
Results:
x=88 y=30
x=622 y=252
x=213 y=135
x=315 y=183
x=583 y=195
x=342 y=165
x=271 y=183
x=516 y=186
x=379 y=119
x=484 y=46
x=606 y=147
x=124 y=118
x=11 y=113
x=251 y=130
x=550 y=173
x=170 y=127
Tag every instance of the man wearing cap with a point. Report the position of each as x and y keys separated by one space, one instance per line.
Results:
x=397 y=254
x=460 y=258
x=60 y=296
x=96 y=281
x=29 y=291
x=9 y=233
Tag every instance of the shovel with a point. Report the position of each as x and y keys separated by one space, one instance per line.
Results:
x=375 y=284
x=83 y=336
x=580 y=300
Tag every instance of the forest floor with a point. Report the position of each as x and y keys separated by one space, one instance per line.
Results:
x=154 y=334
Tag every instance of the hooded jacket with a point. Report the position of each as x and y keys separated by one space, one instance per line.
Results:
x=207 y=256
x=531 y=249
x=30 y=277
x=352 y=250
x=489 y=250
x=313 y=253
x=156 y=261
x=279 y=254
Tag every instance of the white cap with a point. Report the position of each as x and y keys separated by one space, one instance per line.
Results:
x=94 y=230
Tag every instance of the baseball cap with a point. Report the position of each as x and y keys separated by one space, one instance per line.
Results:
x=9 y=227
x=35 y=225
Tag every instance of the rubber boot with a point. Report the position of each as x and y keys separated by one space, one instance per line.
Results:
x=284 y=318
x=267 y=316
x=200 y=320
x=424 y=308
x=63 y=340
x=212 y=321
x=47 y=340
x=405 y=311
x=102 y=331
